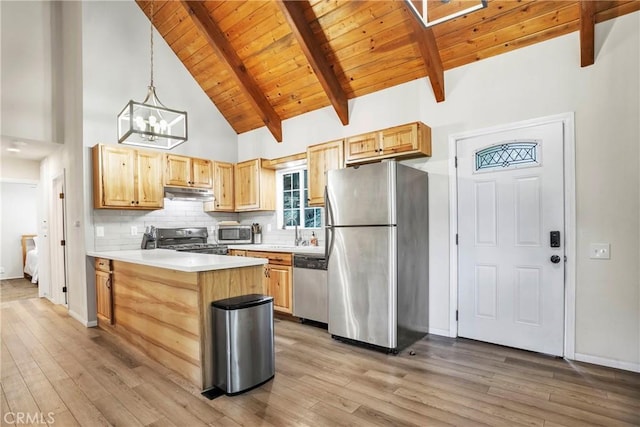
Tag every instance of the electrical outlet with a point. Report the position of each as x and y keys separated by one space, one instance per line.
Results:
x=600 y=251
x=268 y=227
x=134 y=230
x=99 y=231
x=1 y=270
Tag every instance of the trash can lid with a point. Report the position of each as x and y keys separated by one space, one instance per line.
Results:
x=242 y=301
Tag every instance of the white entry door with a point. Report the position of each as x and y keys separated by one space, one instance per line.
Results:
x=511 y=238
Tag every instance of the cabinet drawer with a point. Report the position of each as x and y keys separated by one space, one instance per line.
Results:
x=103 y=264
x=276 y=258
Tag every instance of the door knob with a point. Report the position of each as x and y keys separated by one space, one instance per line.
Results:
x=555 y=259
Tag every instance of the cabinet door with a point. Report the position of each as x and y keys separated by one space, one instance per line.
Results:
x=400 y=139
x=178 y=170
x=104 y=306
x=280 y=287
x=237 y=252
x=320 y=159
x=363 y=146
x=223 y=187
x=247 y=185
x=202 y=175
x=149 y=178
x=118 y=173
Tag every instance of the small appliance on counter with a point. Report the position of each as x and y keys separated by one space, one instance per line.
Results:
x=149 y=238
x=234 y=233
x=256 y=230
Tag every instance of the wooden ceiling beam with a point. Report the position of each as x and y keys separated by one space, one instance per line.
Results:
x=430 y=56
x=293 y=12
x=219 y=43
x=587 y=32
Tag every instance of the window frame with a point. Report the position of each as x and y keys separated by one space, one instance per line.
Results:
x=280 y=199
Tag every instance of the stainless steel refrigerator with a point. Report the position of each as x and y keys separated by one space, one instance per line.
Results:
x=378 y=254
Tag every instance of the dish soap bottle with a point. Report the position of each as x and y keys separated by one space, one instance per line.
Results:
x=314 y=239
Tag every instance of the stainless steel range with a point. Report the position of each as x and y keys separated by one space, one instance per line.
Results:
x=192 y=239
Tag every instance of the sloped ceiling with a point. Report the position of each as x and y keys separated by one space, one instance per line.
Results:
x=261 y=62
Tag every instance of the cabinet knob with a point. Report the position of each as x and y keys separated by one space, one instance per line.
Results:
x=132 y=202
x=137 y=202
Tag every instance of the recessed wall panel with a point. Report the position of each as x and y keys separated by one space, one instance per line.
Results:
x=528 y=211
x=486 y=213
x=486 y=291
x=527 y=295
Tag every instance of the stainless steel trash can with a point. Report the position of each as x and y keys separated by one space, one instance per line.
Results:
x=243 y=349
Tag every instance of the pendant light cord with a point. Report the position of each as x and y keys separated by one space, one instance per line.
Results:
x=151 y=21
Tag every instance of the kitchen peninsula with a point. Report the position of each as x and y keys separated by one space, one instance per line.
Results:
x=159 y=300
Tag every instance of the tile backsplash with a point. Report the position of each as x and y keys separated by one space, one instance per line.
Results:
x=117 y=224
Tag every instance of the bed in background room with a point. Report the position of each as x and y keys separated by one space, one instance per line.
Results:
x=30 y=257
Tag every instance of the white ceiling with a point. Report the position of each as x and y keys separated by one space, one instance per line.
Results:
x=29 y=149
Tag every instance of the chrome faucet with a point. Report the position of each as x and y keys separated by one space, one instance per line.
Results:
x=298 y=238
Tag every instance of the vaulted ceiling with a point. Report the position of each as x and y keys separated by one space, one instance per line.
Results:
x=261 y=62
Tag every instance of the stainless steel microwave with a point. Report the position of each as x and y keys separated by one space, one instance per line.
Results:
x=234 y=234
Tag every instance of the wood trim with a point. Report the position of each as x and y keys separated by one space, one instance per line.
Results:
x=293 y=160
x=294 y=13
x=430 y=55
x=587 y=32
x=249 y=87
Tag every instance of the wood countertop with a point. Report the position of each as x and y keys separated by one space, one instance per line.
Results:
x=180 y=261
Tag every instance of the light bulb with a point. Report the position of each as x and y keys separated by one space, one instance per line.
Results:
x=152 y=120
x=140 y=122
x=156 y=128
x=163 y=125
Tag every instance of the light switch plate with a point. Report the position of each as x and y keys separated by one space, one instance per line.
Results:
x=600 y=251
x=99 y=231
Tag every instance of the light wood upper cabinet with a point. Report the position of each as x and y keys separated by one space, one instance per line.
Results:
x=403 y=142
x=255 y=187
x=223 y=188
x=320 y=159
x=126 y=178
x=362 y=146
x=182 y=171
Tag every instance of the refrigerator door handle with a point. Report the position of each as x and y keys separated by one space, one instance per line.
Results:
x=328 y=247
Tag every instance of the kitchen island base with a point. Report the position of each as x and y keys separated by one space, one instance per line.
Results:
x=166 y=313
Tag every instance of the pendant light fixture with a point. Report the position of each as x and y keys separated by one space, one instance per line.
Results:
x=433 y=12
x=149 y=123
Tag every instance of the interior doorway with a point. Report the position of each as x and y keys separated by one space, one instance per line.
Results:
x=57 y=248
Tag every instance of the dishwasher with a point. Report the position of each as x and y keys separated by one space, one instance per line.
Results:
x=310 y=287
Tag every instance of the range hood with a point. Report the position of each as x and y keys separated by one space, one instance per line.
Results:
x=191 y=194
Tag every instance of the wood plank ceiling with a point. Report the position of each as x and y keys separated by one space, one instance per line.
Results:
x=261 y=62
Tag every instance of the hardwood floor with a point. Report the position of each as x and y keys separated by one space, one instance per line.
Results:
x=15 y=289
x=53 y=366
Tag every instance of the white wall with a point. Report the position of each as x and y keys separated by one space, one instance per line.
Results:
x=19 y=169
x=540 y=80
x=19 y=213
x=27 y=70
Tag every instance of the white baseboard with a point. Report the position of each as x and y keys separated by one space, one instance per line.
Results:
x=441 y=332
x=611 y=363
x=82 y=320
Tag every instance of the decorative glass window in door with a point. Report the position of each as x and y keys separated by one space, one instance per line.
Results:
x=506 y=155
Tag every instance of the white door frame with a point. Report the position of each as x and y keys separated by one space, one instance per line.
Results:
x=569 y=220
x=58 y=211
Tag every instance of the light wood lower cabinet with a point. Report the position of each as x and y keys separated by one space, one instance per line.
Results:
x=277 y=277
x=104 y=291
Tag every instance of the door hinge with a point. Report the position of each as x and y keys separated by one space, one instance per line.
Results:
x=456 y=315
x=64 y=289
x=456 y=238
x=61 y=195
x=63 y=242
x=455 y=159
